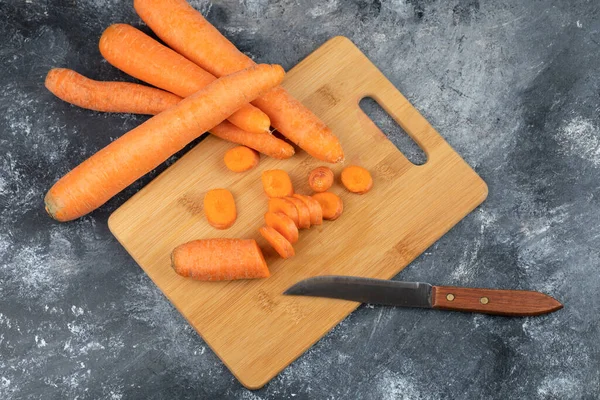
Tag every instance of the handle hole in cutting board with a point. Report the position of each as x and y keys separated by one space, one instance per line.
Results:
x=411 y=150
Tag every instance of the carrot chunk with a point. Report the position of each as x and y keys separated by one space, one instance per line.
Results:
x=282 y=224
x=320 y=179
x=331 y=204
x=303 y=212
x=241 y=158
x=277 y=204
x=277 y=183
x=219 y=208
x=316 y=212
x=277 y=241
x=356 y=179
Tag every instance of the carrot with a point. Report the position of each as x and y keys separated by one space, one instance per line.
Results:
x=331 y=204
x=264 y=143
x=142 y=149
x=76 y=89
x=241 y=158
x=220 y=260
x=320 y=179
x=277 y=241
x=316 y=212
x=277 y=183
x=356 y=179
x=278 y=204
x=282 y=224
x=219 y=208
x=142 y=57
x=303 y=212
x=186 y=31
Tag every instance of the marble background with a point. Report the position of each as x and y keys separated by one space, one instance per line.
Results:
x=512 y=85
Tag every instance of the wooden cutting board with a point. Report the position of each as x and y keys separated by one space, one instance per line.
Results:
x=250 y=325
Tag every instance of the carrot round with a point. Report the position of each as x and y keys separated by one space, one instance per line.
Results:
x=220 y=260
x=186 y=31
x=282 y=224
x=264 y=143
x=331 y=205
x=356 y=179
x=76 y=89
x=320 y=179
x=316 y=212
x=277 y=183
x=277 y=241
x=303 y=212
x=241 y=158
x=219 y=208
x=137 y=54
x=142 y=149
x=278 y=204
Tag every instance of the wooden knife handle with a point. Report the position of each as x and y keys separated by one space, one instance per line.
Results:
x=493 y=301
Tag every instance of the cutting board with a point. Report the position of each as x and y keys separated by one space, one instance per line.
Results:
x=250 y=325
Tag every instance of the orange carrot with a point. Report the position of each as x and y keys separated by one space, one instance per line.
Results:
x=241 y=158
x=277 y=241
x=278 y=204
x=220 y=260
x=277 y=183
x=282 y=224
x=186 y=31
x=357 y=179
x=320 y=179
x=142 y=149
x=303 y=212
x=142 y=57
x=264 y=143
x=76 y=89
x=316 y=213
x=219 y=208
x=331 y=205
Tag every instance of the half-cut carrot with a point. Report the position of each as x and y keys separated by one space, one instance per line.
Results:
x=320 y=179
x=316 y=212
x=331 y=204
x=219 y=208
x=356 y=179
x=277 y=183
x=282 y=224
x=277 y=241
x=264 y=143
x=278 y=204
x=220 y=260
x=241 y=158
x=303 y=212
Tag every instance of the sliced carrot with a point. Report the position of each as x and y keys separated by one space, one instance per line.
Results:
x=277 y=183
x=320 y=179
x=357 y=179
x=219 y=208
x=241 y=158
x=277 y=241
x=278 y=204
x=303 y=212
x=220 y=260
x=282 y=224
x=316 y=212
x=331 y=204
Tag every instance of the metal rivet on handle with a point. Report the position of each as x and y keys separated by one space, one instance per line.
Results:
x=484 y=300
x=449 y=297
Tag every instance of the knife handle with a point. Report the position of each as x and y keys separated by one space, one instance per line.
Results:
x=493 y=301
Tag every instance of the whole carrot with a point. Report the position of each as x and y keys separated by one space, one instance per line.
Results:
x=137 y=54
x=142 y=149
x=76 y=89
x=190 y=34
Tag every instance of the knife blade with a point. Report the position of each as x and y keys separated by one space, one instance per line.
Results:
x=516 y=303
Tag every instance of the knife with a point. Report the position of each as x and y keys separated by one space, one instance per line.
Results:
x=513 y=303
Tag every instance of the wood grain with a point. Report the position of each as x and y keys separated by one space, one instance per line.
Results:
x=514 y=303
x=250 y=325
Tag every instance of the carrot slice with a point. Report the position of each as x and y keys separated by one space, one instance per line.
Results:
x=277 y=183
x=303 y=212
x=277 y=204
x=316 y=212
x=241 y=158
x=219 y=208
x=282 y=224
x=357 y=179
x=320 y=179
x=220 y=260
x=277 y=241
x=331 y=204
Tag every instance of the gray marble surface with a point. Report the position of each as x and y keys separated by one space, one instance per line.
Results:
x=512 y=85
